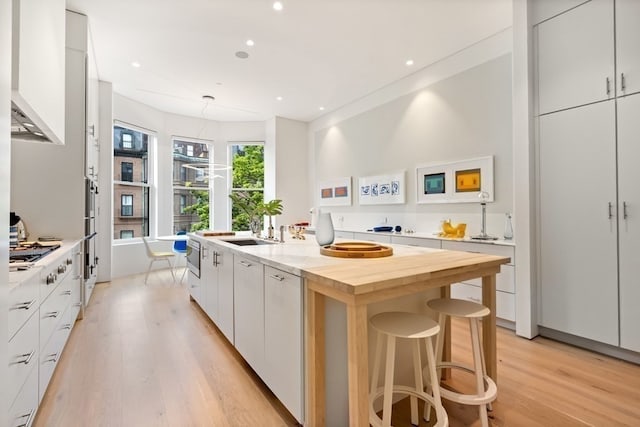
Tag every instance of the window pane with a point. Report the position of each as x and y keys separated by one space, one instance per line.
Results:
x=248 y=177
x=130 y=165
x=191 y=193
x=131 y=212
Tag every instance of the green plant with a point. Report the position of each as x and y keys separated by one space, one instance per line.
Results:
x=255 y=209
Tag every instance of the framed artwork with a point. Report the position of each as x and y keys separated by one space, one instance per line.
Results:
x=382 y=189
x=455 y=182
x=334 y=192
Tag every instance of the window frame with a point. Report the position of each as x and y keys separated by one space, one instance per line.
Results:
x=231 y=188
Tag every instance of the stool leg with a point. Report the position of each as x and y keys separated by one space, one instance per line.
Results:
x=417 y=373
x=484 y=365
x=388 y=381
x=376 y=364
x=442 y=321
x=435 y=386
x=477 y=366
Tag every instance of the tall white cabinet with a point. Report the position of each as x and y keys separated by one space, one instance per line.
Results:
x=589 y=105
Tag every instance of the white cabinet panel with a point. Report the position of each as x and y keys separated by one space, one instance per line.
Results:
x=23 y=356
x=505 y=302
x=576 y=57
x=628 y=46
x=224 y=261
x=343 y=234
x=505 y=280
x=209 y=281
x=577 y=219
x=283 y=338
x=23 y=410
x=248 y=302
x=372 y=237
x=629 y=219
x=23 y=303
x=416 y=241
x=483 y=248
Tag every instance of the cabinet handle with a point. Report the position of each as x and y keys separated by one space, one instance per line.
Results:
x=608 y=86
x=610 y=210
x=53 y=314
x=78 y=304
x=67 y=292
x=624 y=210
x=26 y=358
x=278 y=277
x=623 y=84
x=65 y=326
x=23 y=305
x=53 y=357
x=246 y=264
x=27 y=416
x=215 y=258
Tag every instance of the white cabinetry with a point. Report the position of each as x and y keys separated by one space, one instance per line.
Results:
x=629 y=219
x=248 y=304
x=416 y=241
x=628 y=46
x=208 y=282
x=505 y=280
x=578 y=245
x=589 y=231
x=339 y=234
x=283 y=332
x=224 y=269
x=38 y=64
x=579 y=61
x=372 y=237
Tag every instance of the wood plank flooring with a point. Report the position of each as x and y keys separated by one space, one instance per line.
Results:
x=147 y=356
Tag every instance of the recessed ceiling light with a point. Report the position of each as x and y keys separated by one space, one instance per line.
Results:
x=250 y=42
x=321 y=108
x=277 y=5
x=278 y=98
x=409 y=62
x=135 y=64
x=242 y=54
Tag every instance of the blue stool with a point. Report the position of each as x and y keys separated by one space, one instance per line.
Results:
x=180 y=247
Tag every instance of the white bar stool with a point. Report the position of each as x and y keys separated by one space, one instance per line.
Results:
x=486 y=389
x=412 y=326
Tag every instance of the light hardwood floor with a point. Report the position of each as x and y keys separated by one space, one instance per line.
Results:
x=147 y=356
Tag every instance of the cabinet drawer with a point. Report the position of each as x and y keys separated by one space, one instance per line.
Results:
x=23 y=303
x=505 y=280
x=505 y=302
x=23 y=356
x=371 y=237
x=416 y=241
x=24 y=407
x=482 y=248
x=50 y=355
x=52 y=312
x=344 y=234
x=52 y=276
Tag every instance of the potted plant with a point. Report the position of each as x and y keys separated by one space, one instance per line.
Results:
x=271 y=208
x=256 y=210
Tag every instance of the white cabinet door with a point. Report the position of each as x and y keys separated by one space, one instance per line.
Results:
x=576 y=57
x=628 y=46
x=248 y=304
x=283 y=338
x=209 y=281
x=416 y=241
x=629 y=219
x=372 y=237
x=224 y=266
x=92 y=129
x=577 y=218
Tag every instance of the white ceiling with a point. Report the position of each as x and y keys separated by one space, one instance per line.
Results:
x=312 y=53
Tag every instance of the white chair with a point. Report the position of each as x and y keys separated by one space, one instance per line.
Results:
x=416 y=327
x=486 y=389
x=157 y=256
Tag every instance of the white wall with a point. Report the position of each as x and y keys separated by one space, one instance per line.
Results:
x=464 y=116
x=104 y=225
x=5 y=171
x=128 y=257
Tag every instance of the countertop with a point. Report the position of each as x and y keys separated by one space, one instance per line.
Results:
x=16 y=277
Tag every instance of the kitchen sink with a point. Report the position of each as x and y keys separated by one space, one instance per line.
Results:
x=248 y=242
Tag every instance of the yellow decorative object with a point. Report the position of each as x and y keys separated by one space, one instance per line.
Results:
x=453 y=231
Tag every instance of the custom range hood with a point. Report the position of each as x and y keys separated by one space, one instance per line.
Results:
x=23 y=128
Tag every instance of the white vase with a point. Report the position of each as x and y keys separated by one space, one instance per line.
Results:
x=324 y=229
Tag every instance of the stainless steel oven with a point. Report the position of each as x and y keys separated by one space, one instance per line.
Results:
x=193 y=257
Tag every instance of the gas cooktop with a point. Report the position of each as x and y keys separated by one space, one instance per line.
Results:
x=30 y=253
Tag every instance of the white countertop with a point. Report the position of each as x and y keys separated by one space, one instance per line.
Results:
x=296 y=256
x=16 y=277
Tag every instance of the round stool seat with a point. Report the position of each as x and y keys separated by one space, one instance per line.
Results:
x=405 y=325
x=458 y=308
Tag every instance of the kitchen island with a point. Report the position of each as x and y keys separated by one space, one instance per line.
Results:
x=358 y=283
